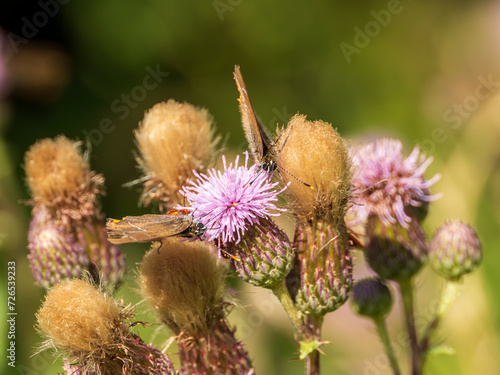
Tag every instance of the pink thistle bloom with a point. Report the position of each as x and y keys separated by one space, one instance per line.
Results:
x=385 y=183
x=230 y=202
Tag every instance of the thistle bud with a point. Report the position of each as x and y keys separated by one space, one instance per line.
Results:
x=54 y=254
x=264 y=256
x=325 y=265
x=371 y=297
x=94 y=333
x=315 y=153
x=393 y=251
x=60 y=179
x=174 y=139
x=183 y=282
x=455 y=250
x=65 y=197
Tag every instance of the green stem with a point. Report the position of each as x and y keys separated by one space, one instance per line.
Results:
x=451 y=289
x=281 y=292
x=406 y=290
x=384 y=337
x=311 y=332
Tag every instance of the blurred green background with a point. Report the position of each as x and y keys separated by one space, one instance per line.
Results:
x=425 y=71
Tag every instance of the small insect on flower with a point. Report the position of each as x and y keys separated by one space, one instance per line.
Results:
x=148 y=228
x=264 y=151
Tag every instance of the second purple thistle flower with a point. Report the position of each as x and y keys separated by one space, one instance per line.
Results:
x=231 y=201
x=386 y=183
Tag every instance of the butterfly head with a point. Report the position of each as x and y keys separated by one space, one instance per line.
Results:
x=269 y=166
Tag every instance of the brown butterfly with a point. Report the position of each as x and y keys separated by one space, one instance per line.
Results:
x=148 y=228
x=264 y=151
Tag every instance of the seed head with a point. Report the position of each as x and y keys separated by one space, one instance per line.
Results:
x=174 y=139
x=59 y=177
x=315 y=153
x=183 y=282
x=94 y=333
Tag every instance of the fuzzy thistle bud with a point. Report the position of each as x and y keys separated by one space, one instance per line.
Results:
x=65 y=197
x=183 y=282
x=455 y=250
x=173 y=139
x=59 y=178
x=94 y=333
x=371 y=297
x=393 y=251
x=315 y=153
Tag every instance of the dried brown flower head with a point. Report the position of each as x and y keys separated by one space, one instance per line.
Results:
x=60 y=178
x=173 y=139
x=77 y=317
x=316 y=154
x=183 y=282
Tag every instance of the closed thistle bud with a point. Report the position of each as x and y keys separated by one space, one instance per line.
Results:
x=371 y=297
x=455 y=250
x=325 y=267
x=94 y=333
x=316 y=154
x=264 y=256
x=393 y=251
x=107 y=263
x=174 y=139
x=54 y=254
x=66 y=191
x=235 y=205
x=183 y=282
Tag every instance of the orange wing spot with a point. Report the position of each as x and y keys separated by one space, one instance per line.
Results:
x=175 y=212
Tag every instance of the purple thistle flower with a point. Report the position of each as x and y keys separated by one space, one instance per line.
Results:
x=385 y=183
x=230 y=202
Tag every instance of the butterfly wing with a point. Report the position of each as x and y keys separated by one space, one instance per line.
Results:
x=146 y=228
x=260 y=145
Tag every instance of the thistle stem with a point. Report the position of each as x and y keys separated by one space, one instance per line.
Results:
x=384 y=337
x=311 y=333
x=281 y=292
x=406 y=290
x=451 y=289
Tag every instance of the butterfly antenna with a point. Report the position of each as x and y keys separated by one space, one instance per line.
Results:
x=298 y=179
